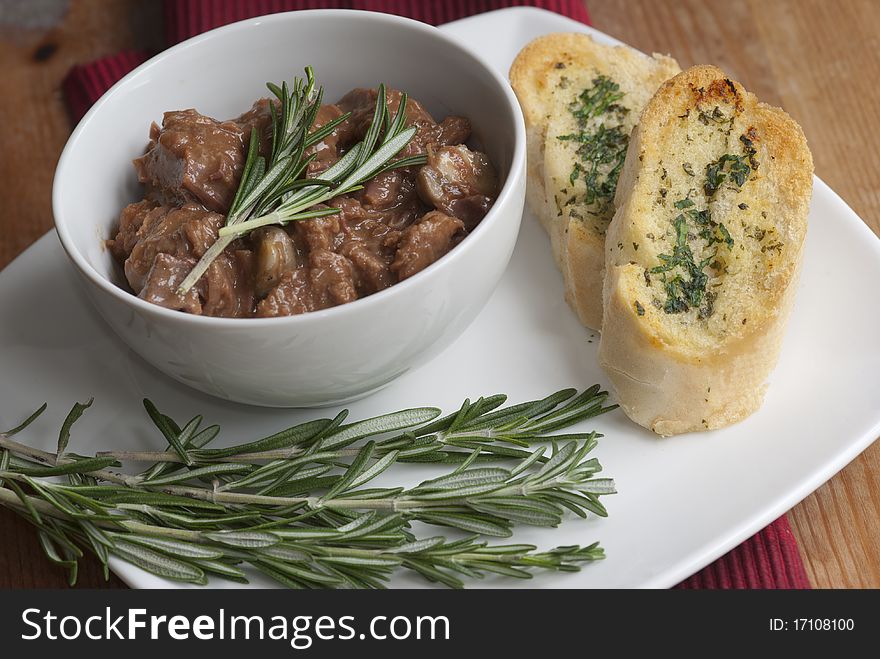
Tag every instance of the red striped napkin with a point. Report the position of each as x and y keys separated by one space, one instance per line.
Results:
x=769 y=559
x=186 y=18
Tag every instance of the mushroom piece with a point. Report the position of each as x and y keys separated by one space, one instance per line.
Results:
x=459 y=182
x=275 y=255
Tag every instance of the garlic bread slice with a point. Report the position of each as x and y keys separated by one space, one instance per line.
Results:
x=703 y=253
x=581 y=100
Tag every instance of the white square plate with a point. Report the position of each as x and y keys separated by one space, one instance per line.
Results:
x=683 y=501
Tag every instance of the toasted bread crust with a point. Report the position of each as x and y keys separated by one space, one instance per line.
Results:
x=536 y=76
x=693 y=370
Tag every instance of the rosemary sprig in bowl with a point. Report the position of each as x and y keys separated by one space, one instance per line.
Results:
x=276 y=190
x=294 y=505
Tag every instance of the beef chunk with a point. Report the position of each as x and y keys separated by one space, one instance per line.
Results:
x=183 y=232
x=384 y=190
x=372 y=271
x=332 y=278
x=291 y=296
x=362 y=102
x=166 y=246
x=392 y=197
x=373 y=232
x=227 y=288
x=452 y=130
x=193 y=158
x=131 y=219
x=425 y=242
x=318 y=233
x=259 y=117
x=328 y=280
x=160 y=285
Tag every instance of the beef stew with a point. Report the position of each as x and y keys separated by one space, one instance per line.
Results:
x=399 y=223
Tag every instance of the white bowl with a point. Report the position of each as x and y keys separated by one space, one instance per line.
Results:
x=323 y=357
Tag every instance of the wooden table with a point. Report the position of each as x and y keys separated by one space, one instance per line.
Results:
x=816 y=58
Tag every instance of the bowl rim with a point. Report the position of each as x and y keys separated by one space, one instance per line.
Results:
x=514 y=178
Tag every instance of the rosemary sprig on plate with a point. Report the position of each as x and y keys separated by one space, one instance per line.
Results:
x=276 y=190
x=314 y=523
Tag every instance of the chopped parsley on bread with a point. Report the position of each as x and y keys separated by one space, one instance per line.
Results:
x=703 y=253
x=581 y=100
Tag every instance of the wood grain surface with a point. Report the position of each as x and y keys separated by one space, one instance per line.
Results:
x=819 y=59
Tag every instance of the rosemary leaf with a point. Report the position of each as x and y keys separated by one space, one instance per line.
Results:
x=276 y=190
x=299 y=513
x=72 y=417
x=28 y=421
x=210 y=470
x=293 y=436
x=158 y=563
x=380 y=424
x=175 y=547
x=167 y=430
x=244 y=539
x=224 y=570
x=52 y=553
x=76 y=467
